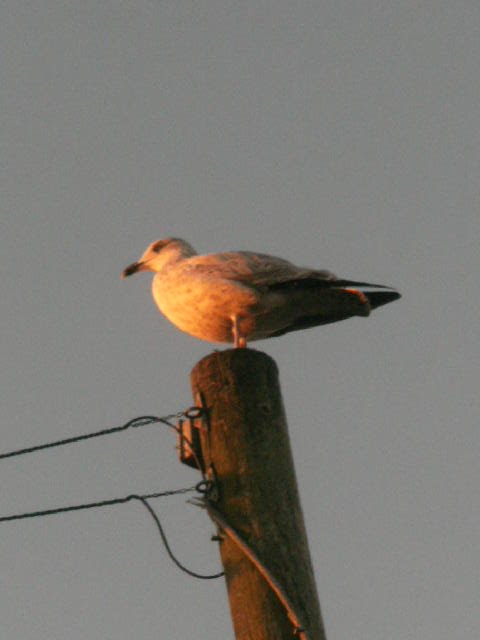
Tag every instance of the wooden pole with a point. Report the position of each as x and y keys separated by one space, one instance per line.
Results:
x=247 y=446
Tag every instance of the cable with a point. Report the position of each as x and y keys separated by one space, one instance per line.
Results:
x=204 y=486
x=213 y=576
x=201 y=487
x=141 y=421
x=136 y=422
x=299 y=628
x=93 y=505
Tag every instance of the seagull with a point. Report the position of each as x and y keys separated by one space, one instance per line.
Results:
x=241 y=296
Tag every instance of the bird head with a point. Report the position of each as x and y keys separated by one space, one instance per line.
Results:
x=159 y=254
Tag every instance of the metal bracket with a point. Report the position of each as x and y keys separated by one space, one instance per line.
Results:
x=188 y=440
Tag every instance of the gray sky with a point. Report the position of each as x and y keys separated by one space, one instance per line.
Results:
x=338 y=135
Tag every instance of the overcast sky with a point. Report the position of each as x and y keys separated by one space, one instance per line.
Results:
x=340 y=135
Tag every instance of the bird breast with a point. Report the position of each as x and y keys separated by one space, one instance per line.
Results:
x=204 y=307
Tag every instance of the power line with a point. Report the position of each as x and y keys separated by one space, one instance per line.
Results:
x=193 y=574
x=204 y=486
x=93 y=505
x=201 y=487
x=189 y=414
x=141 y=421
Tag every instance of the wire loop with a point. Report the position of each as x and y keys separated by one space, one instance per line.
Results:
x=204 y=487
x=194 y=412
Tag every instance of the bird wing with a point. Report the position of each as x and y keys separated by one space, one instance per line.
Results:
x=256 y=270
x=265 y=273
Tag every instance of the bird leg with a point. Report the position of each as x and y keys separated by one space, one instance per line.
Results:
x=239 y=341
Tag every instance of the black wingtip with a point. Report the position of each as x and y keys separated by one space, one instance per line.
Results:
x=377 y=294
x=379 y=298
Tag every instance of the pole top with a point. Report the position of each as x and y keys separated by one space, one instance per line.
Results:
x=236 y=358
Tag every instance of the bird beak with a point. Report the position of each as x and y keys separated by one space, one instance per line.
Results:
x=131 y=269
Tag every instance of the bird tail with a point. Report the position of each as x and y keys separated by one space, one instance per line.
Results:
x=376 y=294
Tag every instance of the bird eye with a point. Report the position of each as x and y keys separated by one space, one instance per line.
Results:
x=158 y=246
